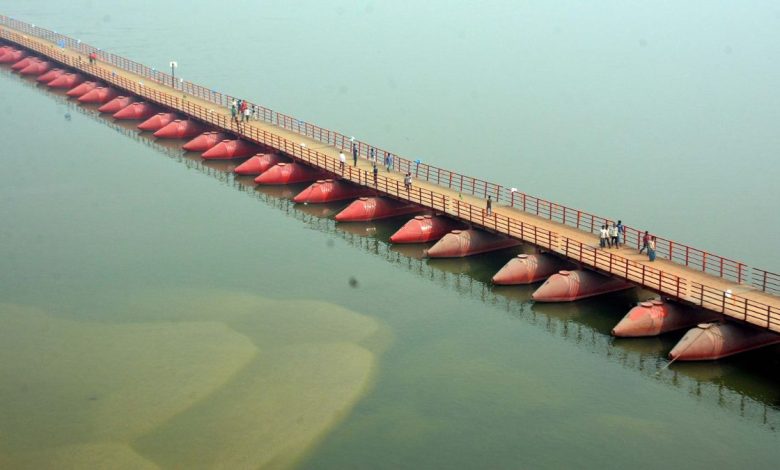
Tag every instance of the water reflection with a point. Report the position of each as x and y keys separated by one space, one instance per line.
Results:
x=414 y=250
x=746 y=384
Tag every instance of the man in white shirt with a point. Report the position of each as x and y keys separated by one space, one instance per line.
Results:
x=604 y=237
x=342 y=161
x=613 y=235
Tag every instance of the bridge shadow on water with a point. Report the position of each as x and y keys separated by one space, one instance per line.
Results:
x=746 y=384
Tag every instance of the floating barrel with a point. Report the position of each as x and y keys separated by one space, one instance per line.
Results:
x=655 y=317
x=329 y=191
x=137 y=111
x=66 y=80
x=36 y=68
x=99 y=95
x=259 y=163
x=12 y=56
x=459 y=243
x=575 y=285
x=204 y=141
x=50 y=75
x=527 y=269
x=23 y=62
x=157 y=122
x=373 y=208
x=30 y=63
x=228 y=149
x=120 y=102
x=180 y=129
x=710 y=341
x=289 y=173
x=81 y=89
x=425 y=228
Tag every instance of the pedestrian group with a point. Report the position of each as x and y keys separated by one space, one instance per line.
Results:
x=240 y=111
x=613 y=235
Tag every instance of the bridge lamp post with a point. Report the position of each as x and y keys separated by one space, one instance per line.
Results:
x=173 y=65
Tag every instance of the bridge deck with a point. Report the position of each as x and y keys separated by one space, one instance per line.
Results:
x=743 y=302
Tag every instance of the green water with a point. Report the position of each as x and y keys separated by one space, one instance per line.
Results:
x=156 y=311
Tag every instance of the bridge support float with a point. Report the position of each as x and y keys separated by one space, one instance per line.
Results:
x=36 y=68
x=118 y=103
x=330 y=190
x=426 y=228
x=180 y=129
x=365 y=209
x=710 y=341
x=289 y=173
x=527 y=269
x=66 y=81
x=12 y=56
x=204 y=141
x=229 y=149
x=567 y=286
x=656 y=317
x=137 y=111
x=157 y=122
x=50 y=75
x=259 y=164
x=100 y=95
x=81 y=89
x=459 y=243
x=22 y=63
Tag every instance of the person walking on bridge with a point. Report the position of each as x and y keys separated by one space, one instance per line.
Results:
x=645 y=241
x=244 y=109
x=489 y=206
x=342 y=161
x=603 y=236
x=354 y=153
x=651 y=249
x=408 y=181
x=234 y=110
x=376 y=173
x=621 y=233
x=613 y=235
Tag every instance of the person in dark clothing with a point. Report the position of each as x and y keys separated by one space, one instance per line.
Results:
x=645 y=241
x=376 y=172
x=354 y=153
x=489 y=207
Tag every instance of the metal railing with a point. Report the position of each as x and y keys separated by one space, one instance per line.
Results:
x=607 y=262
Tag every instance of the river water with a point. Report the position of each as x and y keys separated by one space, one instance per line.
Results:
x=155 y=311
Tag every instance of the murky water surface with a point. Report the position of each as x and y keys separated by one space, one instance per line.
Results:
x=155 y=311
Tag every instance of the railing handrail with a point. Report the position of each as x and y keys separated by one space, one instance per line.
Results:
x=679 y=253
